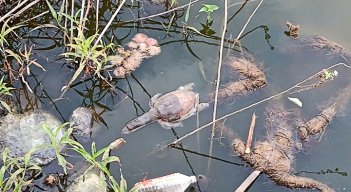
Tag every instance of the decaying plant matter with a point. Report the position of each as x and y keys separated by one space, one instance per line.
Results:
x=294 y=30
x=141 y=47
x=331 y=48
x=318 y=123
x=274 y=156
x=254 y=78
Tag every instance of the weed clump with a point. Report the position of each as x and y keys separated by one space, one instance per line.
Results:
x=318 y=123
x=127 y=60
x=254 y=78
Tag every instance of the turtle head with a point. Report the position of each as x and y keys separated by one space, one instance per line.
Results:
x=139 y=122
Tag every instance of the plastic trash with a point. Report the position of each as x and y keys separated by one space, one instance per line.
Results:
x=175 y=182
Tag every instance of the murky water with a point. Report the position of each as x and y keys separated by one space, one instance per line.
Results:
x=181 y=62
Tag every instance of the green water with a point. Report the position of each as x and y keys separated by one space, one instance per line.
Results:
x=182 y=62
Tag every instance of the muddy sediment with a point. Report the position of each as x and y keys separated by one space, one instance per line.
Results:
x=275 y=155
x=254 y=78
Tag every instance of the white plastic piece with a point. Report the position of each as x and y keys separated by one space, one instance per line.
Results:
x=175 y=182
x=296 y=101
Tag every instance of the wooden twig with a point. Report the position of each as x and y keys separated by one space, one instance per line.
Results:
x=13 y=10
x=25 y=8
x=248 y=181
x=250 y=135
x=218 y=78
x=97 y=15
x=258 y=102
x=109 y=23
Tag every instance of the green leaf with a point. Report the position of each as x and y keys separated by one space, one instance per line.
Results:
x=7 y=107
x=211 y=8
x=203 y=9
x=187 y=13
x=52 y=10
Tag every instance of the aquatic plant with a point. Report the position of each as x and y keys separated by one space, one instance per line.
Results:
x=14 y=172
x=4 y=90
x=207 y=8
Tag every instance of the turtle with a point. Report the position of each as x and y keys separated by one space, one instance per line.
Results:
x=23 y=133
x=168 y=109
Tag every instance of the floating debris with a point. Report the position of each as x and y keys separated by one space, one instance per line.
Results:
x=294 y=30
x=140 y=47
x=175 y=182
x=169 y=109
x=255 y=78
x=317 y=124
x=274 y=156
x=331 y=48
x=296 y=101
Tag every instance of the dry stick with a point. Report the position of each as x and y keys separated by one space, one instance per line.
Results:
x=13 y=10
x=218 y=79
x=86 y=13
x=71 y=28
x=97 y=15
x=219 y=69
x=41 y=14
x=169 y=11
x=250 y=179
x=257 y=103
x=82 y=14
x=109 y=23
x=65 y=24
x=248 y=20
x=25 y=8
x=250 y=135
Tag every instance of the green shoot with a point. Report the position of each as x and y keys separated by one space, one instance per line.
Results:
x=208 y=9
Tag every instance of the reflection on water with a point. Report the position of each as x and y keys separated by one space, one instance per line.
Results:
x=146 y=153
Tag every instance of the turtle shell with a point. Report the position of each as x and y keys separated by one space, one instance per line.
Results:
x=175 y=105
x=21 y=133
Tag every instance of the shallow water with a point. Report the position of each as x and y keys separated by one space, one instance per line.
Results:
x=145 y=155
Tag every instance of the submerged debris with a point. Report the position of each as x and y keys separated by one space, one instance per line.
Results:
x=294 y=30
x=140 y=47
x=331 y=48
x=317 y=124
x=255 y=78
x=274 y=156
x=169 y=109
